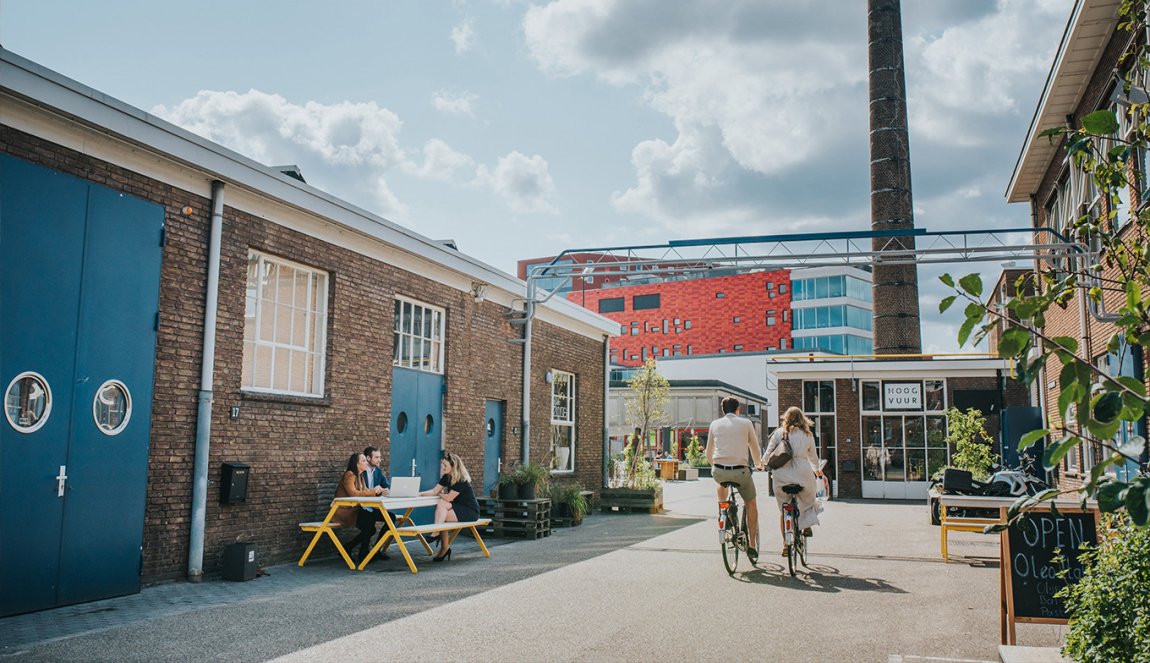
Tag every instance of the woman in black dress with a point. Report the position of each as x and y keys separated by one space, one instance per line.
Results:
x=457 y=501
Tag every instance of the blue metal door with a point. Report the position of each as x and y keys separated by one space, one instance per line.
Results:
x=416 y=412
x=41 y=252
x=101 y=550
x=80 y=268
x=492 y=445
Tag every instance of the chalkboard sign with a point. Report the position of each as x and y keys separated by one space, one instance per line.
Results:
x=1029 y=552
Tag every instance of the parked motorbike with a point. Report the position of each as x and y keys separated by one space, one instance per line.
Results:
x=1003 y=482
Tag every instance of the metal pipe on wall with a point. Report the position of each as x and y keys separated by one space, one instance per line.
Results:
x=207 y=375
x=525 y=443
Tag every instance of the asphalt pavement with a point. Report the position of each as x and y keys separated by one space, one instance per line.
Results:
x=631 y=587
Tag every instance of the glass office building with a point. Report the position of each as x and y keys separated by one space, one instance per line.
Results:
x=832 y=310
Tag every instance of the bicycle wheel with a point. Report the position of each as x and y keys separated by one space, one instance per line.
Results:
x=792 y=541
x=729 y=540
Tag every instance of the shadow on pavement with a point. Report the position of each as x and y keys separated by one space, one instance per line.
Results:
x=816 y=578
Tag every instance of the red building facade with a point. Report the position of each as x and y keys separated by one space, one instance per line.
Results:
x=738 y=313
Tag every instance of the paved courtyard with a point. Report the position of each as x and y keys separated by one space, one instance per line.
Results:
x=619 y=587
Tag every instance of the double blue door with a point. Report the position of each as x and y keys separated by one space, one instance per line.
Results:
x=416 y=413
x=79 y=292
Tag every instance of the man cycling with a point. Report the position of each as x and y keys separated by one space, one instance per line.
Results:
x=731 y=448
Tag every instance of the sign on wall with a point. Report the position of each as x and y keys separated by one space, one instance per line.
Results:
x=902 y=395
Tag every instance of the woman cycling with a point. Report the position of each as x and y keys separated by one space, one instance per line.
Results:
x=802 y=469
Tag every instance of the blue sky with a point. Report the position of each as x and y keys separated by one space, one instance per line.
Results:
x=523 y=128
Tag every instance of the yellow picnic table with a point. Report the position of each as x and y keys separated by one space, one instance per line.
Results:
x=396 y=528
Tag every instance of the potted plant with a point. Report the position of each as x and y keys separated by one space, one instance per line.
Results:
x=529 y=478
x=509 y=484
x=568 y=505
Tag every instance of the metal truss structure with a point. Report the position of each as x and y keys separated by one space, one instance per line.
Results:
x=698 y=258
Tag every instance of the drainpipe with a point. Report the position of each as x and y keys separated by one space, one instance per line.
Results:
x=606 y=406
x=525 y=443
x=207 y=372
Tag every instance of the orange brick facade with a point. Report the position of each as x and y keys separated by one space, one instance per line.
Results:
x=698 y=316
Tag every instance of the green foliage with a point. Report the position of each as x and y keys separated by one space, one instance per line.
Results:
x=645 y=404
x=1113 y=271
x=570 y=494
x=533 y=474
x=973 y=448
x=1108 y=608
x=696 y=456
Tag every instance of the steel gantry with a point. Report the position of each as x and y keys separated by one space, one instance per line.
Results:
x=697 y=258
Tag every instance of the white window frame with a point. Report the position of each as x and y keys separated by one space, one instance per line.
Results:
x=315 y=317
x=562 y=421
x=404 y=333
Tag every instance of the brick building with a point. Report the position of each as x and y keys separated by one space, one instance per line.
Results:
x=826 y=309
x=139 y=259
x=1091 y=63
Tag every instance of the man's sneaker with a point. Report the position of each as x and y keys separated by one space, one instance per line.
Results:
x=808 y=532
x=752 y=555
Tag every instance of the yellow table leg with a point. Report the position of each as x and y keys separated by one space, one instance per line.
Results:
x=325 y=526
x=479 y=540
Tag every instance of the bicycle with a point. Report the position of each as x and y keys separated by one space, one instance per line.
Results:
x=795 y=542
x=733 y=536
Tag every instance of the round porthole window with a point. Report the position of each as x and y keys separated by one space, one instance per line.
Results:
x=27 y=402
x=112 y=407
x=401 y=422
x=428 y=423
x=490 y=428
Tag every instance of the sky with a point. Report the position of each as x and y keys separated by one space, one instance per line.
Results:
x=520 y=129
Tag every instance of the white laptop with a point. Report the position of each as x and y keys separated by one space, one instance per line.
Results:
x=404 y=487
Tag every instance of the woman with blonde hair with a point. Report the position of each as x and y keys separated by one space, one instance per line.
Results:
x=802 y=469
x=457 y=501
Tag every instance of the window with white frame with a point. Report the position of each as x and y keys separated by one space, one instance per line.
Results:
x=419 y=334
x=562 y=421
x=285 y=327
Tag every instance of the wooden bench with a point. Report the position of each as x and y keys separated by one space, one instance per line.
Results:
x=452 y=530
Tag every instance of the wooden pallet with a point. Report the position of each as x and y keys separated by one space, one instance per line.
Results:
x=637 y=508
x=522 y=519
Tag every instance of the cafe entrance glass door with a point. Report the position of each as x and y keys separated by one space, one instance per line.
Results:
x=903 y=437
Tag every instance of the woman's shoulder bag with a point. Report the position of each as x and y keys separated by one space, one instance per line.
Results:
x=781 y=454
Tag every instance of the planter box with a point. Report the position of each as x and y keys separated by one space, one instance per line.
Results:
x=631 y=500
x=704 y=472
x=688 y=473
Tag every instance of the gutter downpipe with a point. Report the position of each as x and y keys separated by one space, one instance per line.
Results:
x=525 y=441
x=606 y=408
x=207 y=374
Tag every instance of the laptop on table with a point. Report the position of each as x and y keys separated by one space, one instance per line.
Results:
x=404 y=487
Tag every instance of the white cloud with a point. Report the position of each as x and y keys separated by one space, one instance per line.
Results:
x=523 y=182
x=440 y=162
x=345 y=148
x=453 y=104
x=463 y=36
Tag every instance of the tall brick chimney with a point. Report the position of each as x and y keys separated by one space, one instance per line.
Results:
x=896 y=322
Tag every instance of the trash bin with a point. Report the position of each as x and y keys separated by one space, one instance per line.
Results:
x=240 y=561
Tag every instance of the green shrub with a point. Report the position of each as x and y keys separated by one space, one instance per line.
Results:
x=973 y=448
x=1109 y=607
x=570 y=494
x=696 y=457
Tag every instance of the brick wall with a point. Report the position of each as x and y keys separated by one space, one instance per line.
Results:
x=848 y=417
x=297 y=447
x=706 y=322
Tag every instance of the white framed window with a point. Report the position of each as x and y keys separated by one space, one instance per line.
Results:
x=419 y=333
x=285 y=327
x=562 y=421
